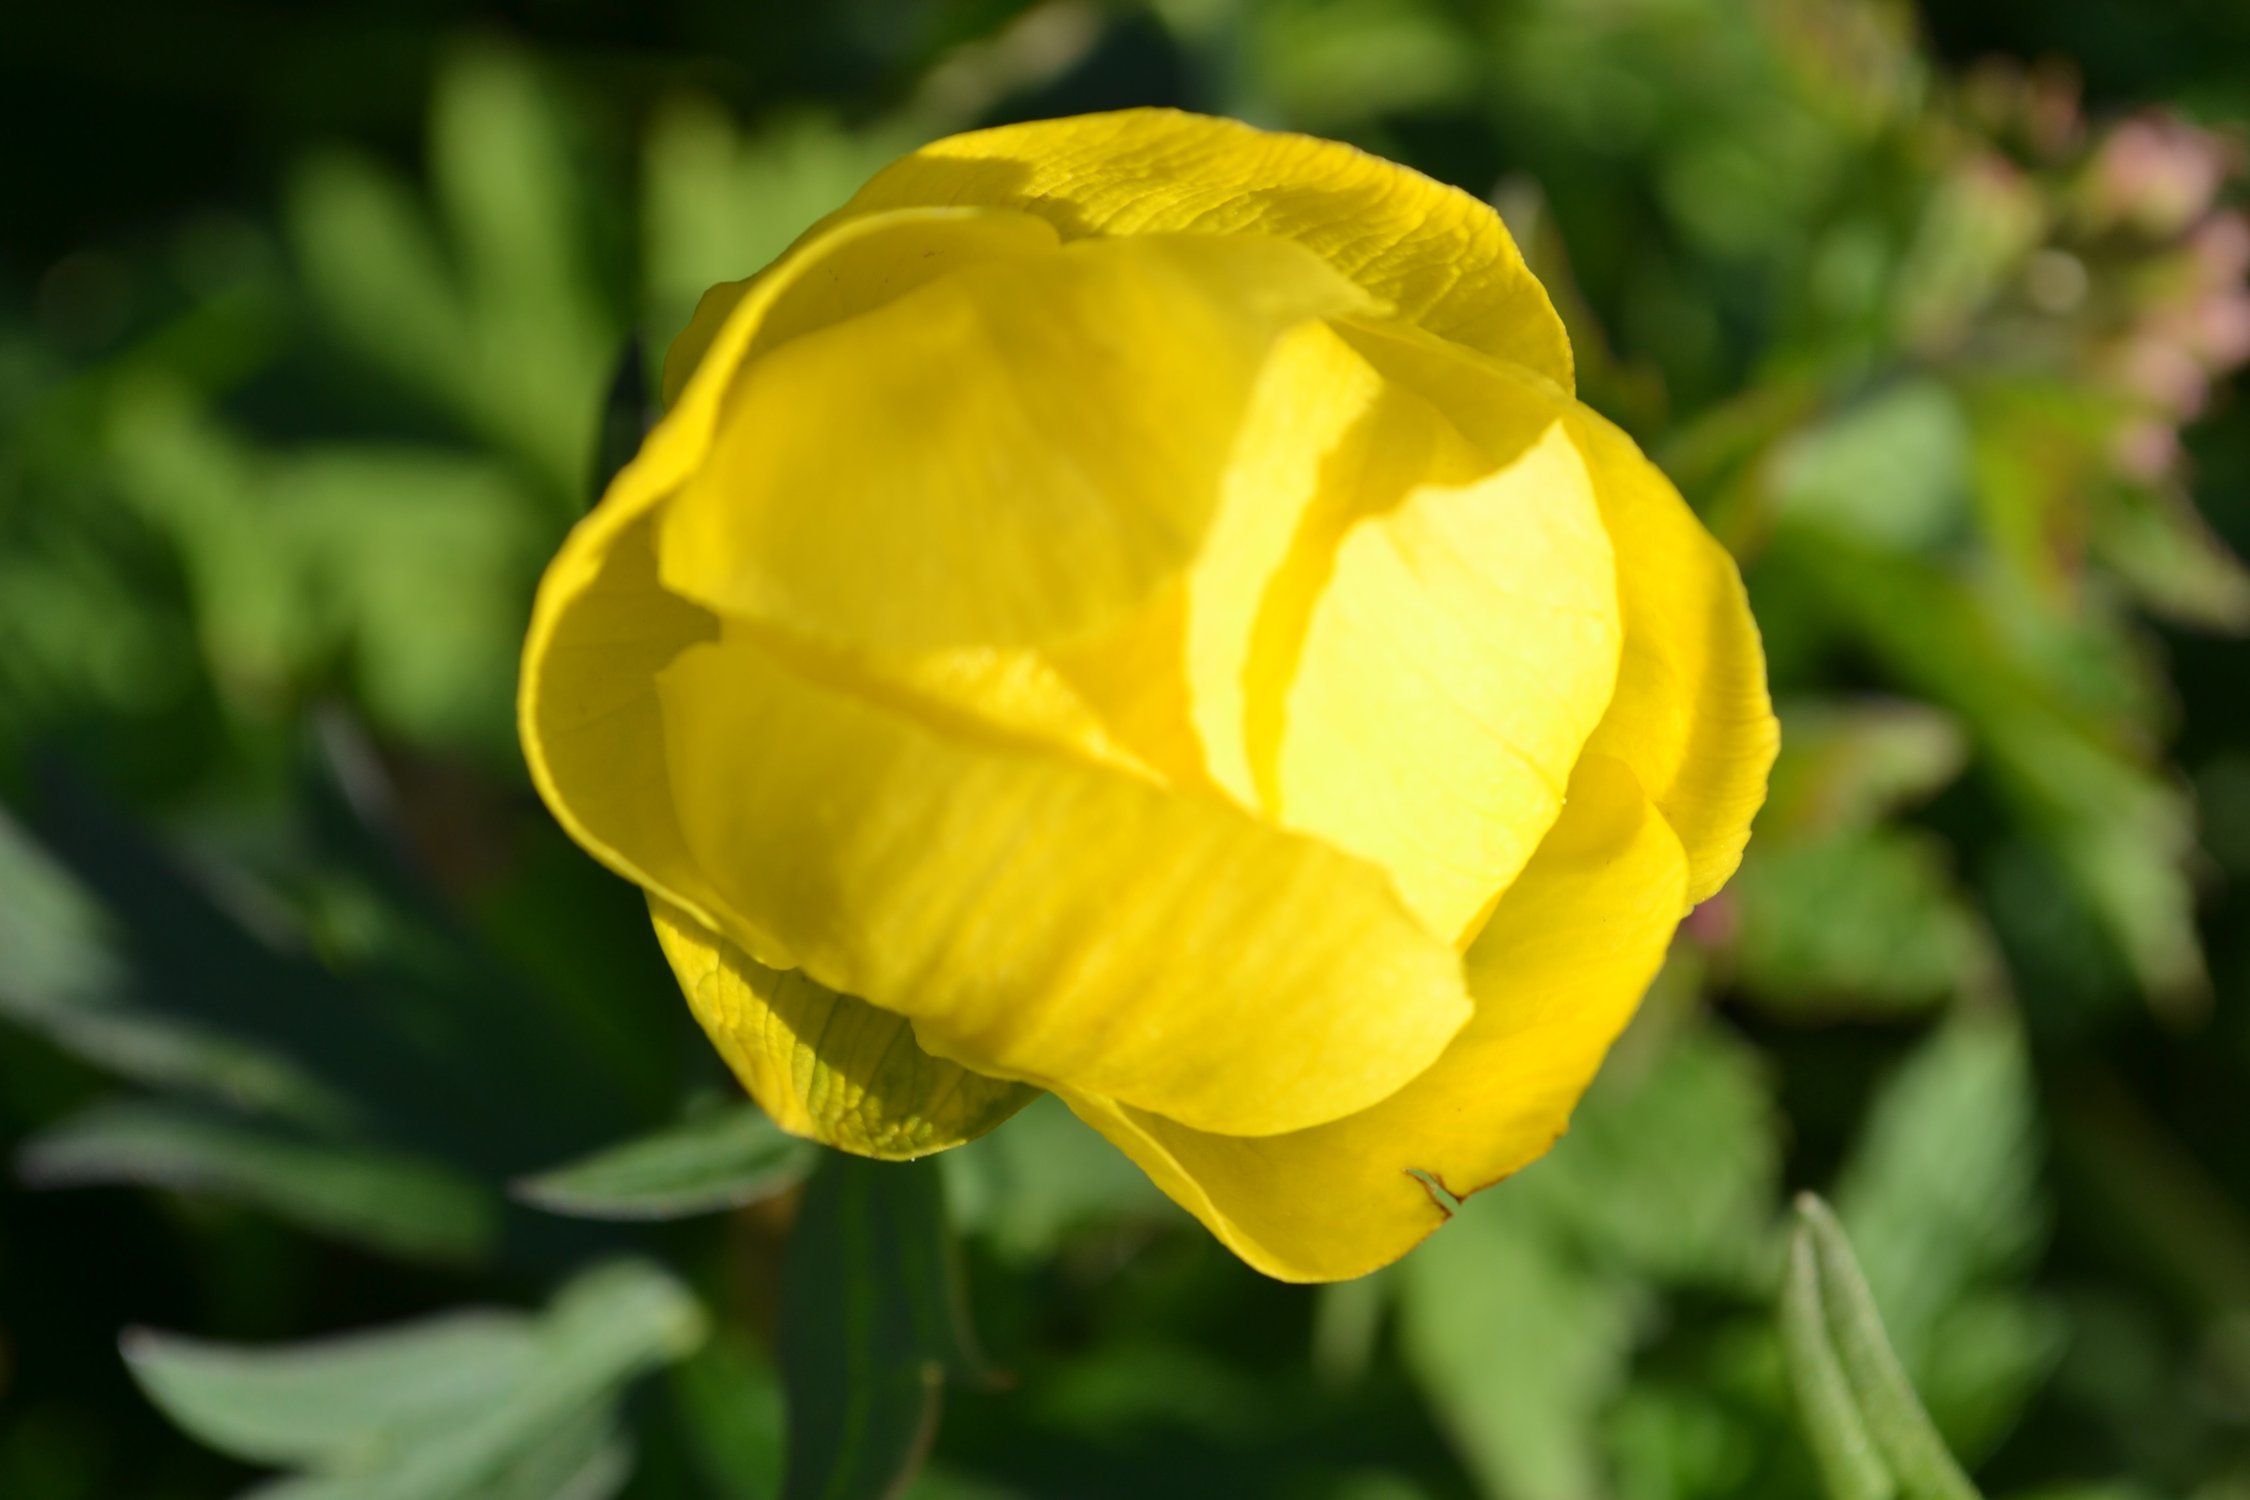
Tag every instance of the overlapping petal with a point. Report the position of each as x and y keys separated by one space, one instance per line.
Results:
x=1556 y=973
x=1042 y=916
x=1690 y=713
x=965 y=509
x=603 y=625
x=1441 y=257
x=826 y=1066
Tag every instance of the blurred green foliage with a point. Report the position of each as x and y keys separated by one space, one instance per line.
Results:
x=306 y=323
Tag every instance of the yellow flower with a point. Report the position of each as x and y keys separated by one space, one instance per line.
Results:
x=1130 y=606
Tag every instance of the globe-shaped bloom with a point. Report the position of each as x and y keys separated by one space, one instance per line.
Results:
x=1130 y=606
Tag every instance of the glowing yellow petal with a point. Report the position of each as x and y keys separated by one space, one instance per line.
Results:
x=1326 y=440
x=1691 y=714
x=1556 y=974
x=1018 y=452
x=1043 y=917
x=1456 y=657
x=1440 y=256
x=826 y=1066
x=603 y=626
x=857 y=273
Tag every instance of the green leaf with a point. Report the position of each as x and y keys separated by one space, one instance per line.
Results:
x=1892 y=470
x=401 y=1204
x=1020 y=1189
x=1863 y=921
x=1941 y=1196
x=1849 y=763
x=699 y=1167
x=2074 y=774
x=1672 y=1164
x=1941 y=1191
x=333 y=1403
x=477 y=1406
x=730 y=1403
x=1827 y=1408
x=62 y=974
x=1860 y=1413
x=873 y=1322
x=1517 y=1346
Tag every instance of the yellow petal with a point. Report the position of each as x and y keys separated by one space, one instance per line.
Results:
x=1018 y=452
x=826 y=1066
x=1043 y=917
x=1440 y=256
x=603 y=626
x=1462 y=649
x=1556 y=974
x=1690 y=713
x=1326 y=440
x=857 y=272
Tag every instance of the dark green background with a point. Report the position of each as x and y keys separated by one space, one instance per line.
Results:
x=306 y=313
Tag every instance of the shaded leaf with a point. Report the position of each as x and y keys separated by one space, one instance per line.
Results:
x=401 y=1204
x=61 y=975
x=730 y=1401
x=1941 y=1193
x=1847 y=763
x=701 y=1166
x=2116 y=827
x=873 y=1323
x=1020 y=1189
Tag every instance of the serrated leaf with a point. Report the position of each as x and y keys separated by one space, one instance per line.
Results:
x=1941 y=1192
x=702 y=1166
x=873 y=1322
x=1865 y=1424
x=1862 y=921
x=404 y=1205
x=1672 y=1163
x=2119 y=829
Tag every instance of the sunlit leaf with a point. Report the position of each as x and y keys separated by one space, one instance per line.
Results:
x=1863 y=1419
x=474 y=1406
x=1863 y=921
x=334 y=1403
x=1516 y=1345
x=1671 y=1166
